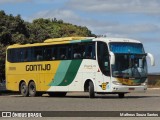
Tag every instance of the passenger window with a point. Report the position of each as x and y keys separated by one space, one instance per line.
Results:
x=62 y=53
x=38 y=54
x=54 y=53
x=48 y=53
x=89 y=51
x=78 y=51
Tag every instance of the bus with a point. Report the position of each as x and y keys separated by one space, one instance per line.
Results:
x=77 y=64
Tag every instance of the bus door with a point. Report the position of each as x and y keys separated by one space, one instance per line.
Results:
x=104 y=66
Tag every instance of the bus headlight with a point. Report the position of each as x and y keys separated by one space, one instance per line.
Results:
x=144 y=84
x=116 y=83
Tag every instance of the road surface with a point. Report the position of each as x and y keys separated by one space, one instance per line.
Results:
x=149 y=101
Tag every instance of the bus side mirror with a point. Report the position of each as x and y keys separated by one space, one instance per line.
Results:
x=151 y=58
x=112 y=58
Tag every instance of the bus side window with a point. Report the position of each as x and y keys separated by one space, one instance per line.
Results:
x=38 y=54
x=11 y=55
x=54 y=53
x=47 y=53
x=62 y=53
x=25 y=55
x=69 y=56
x=89 y=51
x=76 y=51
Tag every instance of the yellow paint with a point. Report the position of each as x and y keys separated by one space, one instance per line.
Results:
x=126 y=81
x=103 y=86
x=41 y=78
x=51 y=42
x=65 y=39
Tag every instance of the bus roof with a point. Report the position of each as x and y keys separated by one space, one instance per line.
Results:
x=56 y=41
x=66 y=39
x=108 y=40
x=75 y=40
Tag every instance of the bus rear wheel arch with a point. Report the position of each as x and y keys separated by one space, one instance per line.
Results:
x=23 y=88
x=89 y=87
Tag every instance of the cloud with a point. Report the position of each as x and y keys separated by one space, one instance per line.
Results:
x=13 y=1
x=118 y=6
x=99 y=26
x=72 y=17
x=65 y=15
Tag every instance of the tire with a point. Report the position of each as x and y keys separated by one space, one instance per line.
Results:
x=121 y=95
x=24 y=89
x=32 y=89
x=57 y=94
x=91 y=90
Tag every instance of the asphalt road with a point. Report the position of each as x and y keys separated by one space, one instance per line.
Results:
x=149 y=101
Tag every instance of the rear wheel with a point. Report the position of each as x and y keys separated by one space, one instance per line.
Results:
x=24 y=89
x=91 y=90
x=32 y=89
x=121 y=95
x=57 y=94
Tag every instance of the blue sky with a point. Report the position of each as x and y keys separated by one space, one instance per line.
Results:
x=137 y=19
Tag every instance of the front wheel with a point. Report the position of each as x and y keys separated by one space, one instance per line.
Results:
x=24 y=89
x=91 y=90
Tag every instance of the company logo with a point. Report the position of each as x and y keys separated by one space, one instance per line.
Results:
x=38 y=67
x=6 y=114
x=21 y=114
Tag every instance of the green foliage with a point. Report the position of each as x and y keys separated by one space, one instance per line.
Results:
x=13 y=29
x=157 y=83
x=2 y=61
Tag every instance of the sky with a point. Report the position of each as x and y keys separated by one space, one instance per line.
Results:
x=135 y=19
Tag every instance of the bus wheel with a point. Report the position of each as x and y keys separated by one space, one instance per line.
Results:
x=32 y=89
x=57 y=94
x=91 y=90
x=121 y=95
x=24 y=89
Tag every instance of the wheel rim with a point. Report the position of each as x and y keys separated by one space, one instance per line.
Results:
x=32 y=89
x=23 y=89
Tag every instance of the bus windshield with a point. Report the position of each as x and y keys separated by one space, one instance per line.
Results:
x=130 y=60
x=130 y=66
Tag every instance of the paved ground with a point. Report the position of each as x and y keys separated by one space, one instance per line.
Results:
x=149 y=101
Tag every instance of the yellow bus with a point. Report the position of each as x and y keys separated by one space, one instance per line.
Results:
x=61 y=65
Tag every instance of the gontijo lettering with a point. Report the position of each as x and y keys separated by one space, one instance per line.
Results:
x=38 y=67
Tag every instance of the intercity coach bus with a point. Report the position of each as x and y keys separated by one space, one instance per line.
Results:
x=71 y=64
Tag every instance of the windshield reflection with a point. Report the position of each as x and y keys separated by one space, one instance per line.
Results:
x=130 y=66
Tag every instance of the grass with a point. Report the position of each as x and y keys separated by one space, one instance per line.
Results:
x=154 y=83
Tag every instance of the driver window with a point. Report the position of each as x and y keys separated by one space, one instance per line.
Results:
x=103 y=58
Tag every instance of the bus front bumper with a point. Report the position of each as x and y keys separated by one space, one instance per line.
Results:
x=129 y=89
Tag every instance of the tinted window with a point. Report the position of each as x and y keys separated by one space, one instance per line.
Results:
x=63 y=53
x=103 y=58
x=52 y=52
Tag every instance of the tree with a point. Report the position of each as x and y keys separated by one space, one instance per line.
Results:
x=2 y=61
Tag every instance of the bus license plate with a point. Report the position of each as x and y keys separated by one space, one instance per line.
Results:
x=131 y=89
